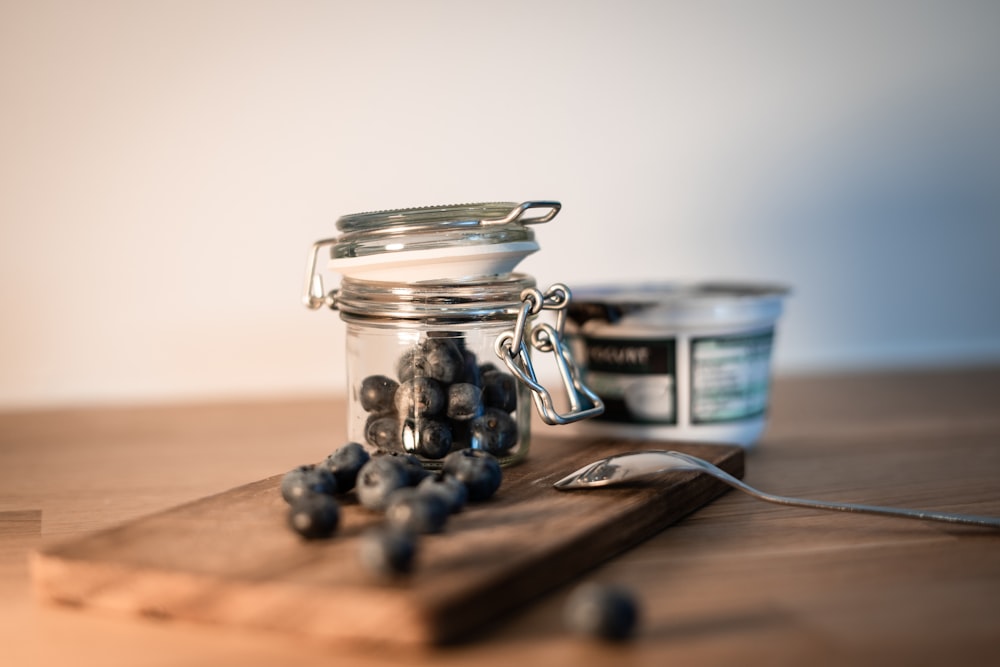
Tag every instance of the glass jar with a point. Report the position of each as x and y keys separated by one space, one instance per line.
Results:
x=441 y=331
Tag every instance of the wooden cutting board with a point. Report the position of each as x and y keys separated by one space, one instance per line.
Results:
x=230 y=558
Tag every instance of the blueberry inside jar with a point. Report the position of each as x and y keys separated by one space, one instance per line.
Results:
x=423 y=373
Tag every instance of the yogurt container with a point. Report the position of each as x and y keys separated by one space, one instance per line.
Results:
x=685 y=362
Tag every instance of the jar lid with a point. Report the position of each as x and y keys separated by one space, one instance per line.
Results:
x=676 y=304
x=455 y=242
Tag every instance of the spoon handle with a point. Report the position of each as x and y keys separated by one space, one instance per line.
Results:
x=947 y=517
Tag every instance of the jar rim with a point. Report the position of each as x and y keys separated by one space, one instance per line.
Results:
x=445 y=301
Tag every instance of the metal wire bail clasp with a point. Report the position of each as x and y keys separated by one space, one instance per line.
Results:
x=514 y=348
x=313 y=293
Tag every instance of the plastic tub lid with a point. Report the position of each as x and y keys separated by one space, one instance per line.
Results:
x=677 y=304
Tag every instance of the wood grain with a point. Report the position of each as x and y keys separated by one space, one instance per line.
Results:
x=229 y=558
x=738 y=582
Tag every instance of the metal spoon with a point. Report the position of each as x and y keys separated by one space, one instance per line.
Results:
x=627 y=467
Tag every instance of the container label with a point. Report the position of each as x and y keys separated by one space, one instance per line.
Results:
x=730 y=377
x=636 y=378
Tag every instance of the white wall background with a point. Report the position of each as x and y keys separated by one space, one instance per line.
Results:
x=165 y=165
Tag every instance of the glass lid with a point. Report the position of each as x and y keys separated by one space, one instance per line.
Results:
x=454 y=242
x=435 y=243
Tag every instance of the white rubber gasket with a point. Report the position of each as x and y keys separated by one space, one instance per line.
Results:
x=435 y=264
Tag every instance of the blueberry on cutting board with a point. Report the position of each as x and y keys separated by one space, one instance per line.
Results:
x=448 y=488
x=478 y=470
x=315 y=516
x=307 y=480
x=378 y=479
x=388 y=552
x=345 y=463
x=408 y=509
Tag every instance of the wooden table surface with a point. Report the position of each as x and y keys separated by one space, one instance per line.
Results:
x=739 y=582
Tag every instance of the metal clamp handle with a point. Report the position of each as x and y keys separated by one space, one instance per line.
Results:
x=313 y=293
x=519 y=214
x=514 y=348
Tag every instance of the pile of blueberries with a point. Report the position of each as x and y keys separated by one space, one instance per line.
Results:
x=413 y=500
x=442 y=400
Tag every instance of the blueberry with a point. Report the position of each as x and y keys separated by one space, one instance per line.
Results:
x=377 y=393
x=411 y=364
x=448 y=488
x=314 y=516
x=437 y=358
x=415 y=471
x=417 y=512
x=388 y=552
x=345 y=463
x=382 y=431
x=500 y=390
x=495 y=432
x=378 y=479
x=420 y=397
x=429 y=438
x=443 y=359
x=477 y=469
x=470 y=369
x=603 y=611
x=307 y=480
x=465 y=401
